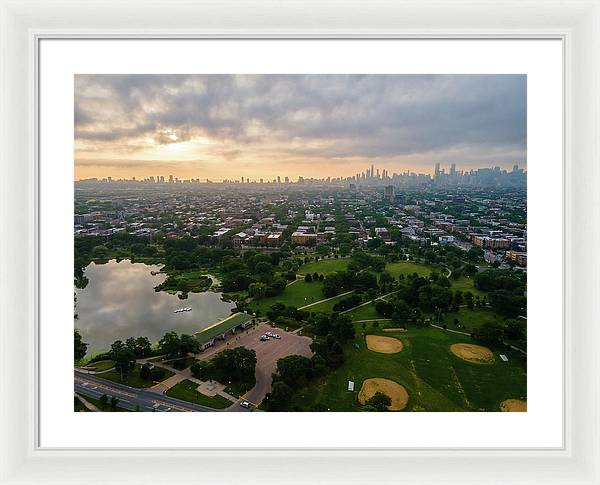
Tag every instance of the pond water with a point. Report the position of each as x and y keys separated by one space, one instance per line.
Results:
x=119 y=301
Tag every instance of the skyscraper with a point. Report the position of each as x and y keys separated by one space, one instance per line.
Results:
x=437 y=170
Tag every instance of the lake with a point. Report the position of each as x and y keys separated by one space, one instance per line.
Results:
x=119 y=301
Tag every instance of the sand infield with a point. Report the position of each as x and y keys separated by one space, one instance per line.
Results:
x=395 y=391
x=473 y=353
x=384 y=345
x=513 y=406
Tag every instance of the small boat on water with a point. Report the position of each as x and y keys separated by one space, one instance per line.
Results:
x=181 y=310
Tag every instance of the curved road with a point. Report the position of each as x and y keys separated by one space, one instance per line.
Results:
x=130 y=397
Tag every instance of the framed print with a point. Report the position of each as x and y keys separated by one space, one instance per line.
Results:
x=301 y=245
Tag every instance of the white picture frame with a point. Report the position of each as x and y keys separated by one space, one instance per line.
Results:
x=24 y=24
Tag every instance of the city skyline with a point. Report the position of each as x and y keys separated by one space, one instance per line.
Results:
x=316 y=126
x=369 y=174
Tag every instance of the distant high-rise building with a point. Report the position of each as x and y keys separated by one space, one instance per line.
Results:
x=170 y=179
x=287 y=180
x=453 y=169
x=437 y=169
x=372 y=170
x=515 y=168
x=389 y=193
x=278 y=179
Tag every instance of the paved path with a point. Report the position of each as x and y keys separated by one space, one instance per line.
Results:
x=374 y=299
x=326 y=299
x=87 y=404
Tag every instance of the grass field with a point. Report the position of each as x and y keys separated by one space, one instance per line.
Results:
x=186 y=391
x=134 y=379
x=326 y=306
x=325 y=266
x=298 y=294
x=407 y=267
x=471 y=319
x=436 y=380
x=102 y=365
x=465 y=283
x=366 y=312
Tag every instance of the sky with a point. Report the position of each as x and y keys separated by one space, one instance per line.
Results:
x=262 y=126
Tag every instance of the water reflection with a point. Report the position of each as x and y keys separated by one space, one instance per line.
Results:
x=119 y=302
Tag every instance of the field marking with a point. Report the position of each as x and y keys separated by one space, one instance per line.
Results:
x=460 y=387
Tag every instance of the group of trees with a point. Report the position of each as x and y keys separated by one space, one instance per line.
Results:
x=286 y=315
x=507 y=290
x=80 y=346
x=236 y=365
x=314 y=277
x=124 y=354
x=495 y=334
x=258 y=273
x=174 y=345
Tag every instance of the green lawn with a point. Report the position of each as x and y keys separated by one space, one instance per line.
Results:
x=471 y=319
x=435 y=379
x=133 y=379
x=326 y=306
x=464 y=283
x=79 y=406
x=186 y=391
x=366 y=312
x=298 y=294
x=408 y=267
x=102 y=365
x=325 y=266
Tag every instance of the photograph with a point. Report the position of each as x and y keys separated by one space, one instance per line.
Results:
x=300 y=243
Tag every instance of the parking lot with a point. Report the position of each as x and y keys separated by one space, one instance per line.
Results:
x=267 y=354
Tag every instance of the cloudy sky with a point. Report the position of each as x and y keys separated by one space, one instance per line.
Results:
x=229 y=126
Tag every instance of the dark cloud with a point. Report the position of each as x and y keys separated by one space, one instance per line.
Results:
x=312 y=115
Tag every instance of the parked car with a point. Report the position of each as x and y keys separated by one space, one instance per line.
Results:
x=276 y=336
x=245 y=404
x=264 y=337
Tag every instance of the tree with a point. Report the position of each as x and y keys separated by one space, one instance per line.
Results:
x=294 y=370
x=380 y=401
x=257 y=290
x=142 y=346
x=80 y=347
x=103 y=401
x=124 y=362
x=113 y=402
x=490 y=334
x=170 y=344
x=115 y=348
x=188 y=345
x=279 y=398
x=468 y=297
x=145 y=372
x=308 y=277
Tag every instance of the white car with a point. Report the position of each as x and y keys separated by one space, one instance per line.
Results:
x=264 y=337
x=269 y=334
x=276 y=336
x=245 y=404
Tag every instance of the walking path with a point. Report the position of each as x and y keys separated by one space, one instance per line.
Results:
x=374 y=299
x=87 y=404
x=326 y=299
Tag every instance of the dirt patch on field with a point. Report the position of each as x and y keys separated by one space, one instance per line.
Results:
x=513 y=406
x=399 y=329
x=385 y=345
x=393 y=390
x=473 y=353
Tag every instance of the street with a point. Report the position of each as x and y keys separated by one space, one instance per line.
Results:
x=129 y=397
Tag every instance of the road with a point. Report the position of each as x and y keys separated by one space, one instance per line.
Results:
x=130 y=398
